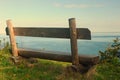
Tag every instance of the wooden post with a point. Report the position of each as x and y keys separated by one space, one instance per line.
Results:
x=73 y=39
x=12 y=38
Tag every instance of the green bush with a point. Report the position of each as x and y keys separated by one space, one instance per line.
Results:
x=111 y=53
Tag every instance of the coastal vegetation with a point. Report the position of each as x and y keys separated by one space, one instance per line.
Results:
x=40 y=69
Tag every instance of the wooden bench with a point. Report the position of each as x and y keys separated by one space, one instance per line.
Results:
x=71 y=33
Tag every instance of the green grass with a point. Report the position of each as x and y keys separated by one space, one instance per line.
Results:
x=107 y=72
x=40 y=70
x=52 y=70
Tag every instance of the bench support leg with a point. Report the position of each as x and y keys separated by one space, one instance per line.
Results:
x=12 y=40
x=73 y=39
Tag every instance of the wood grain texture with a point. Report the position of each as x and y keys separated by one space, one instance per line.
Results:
x=12 y=38
x=82 y=33
x=58 y=56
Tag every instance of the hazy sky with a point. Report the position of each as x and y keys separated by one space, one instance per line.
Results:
x=97 y=15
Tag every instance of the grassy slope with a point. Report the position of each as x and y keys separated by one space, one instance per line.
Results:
x=108 y=72
x=40 y=70
x=52 y=70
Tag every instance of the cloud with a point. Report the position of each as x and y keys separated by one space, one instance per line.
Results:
x=78 y=5
x=57 y=5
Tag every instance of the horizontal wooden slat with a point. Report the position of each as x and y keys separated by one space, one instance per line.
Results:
x=82 y=33
x=58 y=56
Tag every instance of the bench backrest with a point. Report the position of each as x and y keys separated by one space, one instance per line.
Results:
x=72 y=32
x=82 y=33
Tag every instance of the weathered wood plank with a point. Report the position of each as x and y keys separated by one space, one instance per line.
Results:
x=73 y=40
x=82 y=33
x=58 y=56
x=12 y=38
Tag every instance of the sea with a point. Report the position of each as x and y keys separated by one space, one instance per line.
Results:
x=100 y=41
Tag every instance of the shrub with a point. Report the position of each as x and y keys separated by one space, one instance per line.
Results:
x=111 y=53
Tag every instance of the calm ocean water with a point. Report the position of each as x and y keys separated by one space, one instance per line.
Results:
x=99 y=42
